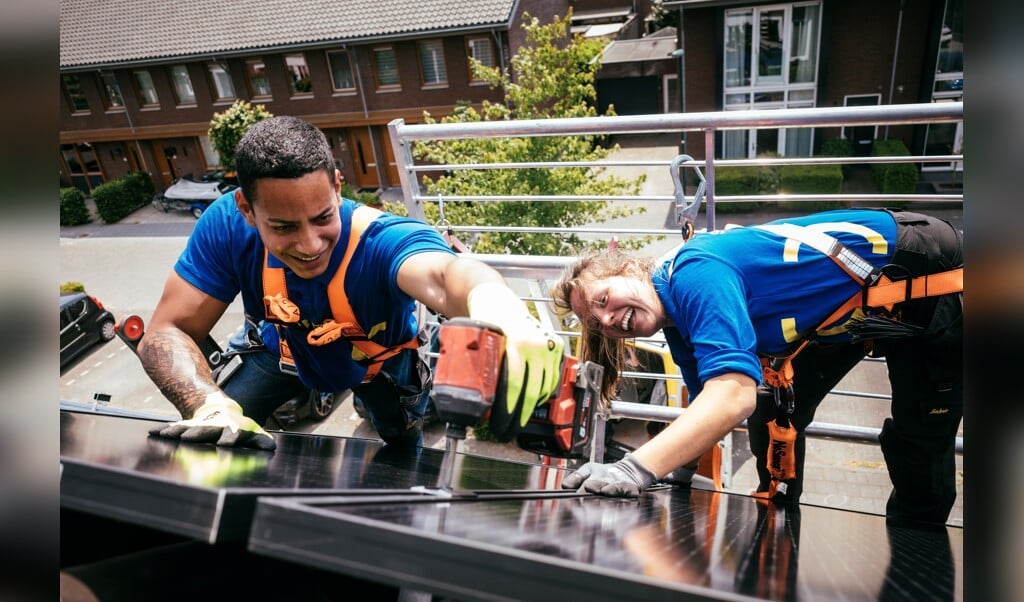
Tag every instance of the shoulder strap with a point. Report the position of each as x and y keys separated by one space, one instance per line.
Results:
x=344 y=324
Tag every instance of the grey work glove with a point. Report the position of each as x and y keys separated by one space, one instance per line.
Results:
x=219 y=420
x=625 y=478
x=680 y=477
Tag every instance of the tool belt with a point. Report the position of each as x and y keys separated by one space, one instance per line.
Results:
x=281 y=311
x=878 y=291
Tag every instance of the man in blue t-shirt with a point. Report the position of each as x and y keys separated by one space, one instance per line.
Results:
x=735 y=305
x=329 y=289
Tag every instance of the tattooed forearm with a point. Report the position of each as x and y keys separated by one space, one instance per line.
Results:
x=176 y=365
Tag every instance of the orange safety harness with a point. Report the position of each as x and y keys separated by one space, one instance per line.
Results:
x=877 y=291
x=282 y=311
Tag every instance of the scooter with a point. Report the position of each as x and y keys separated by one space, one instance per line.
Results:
x=187 y=194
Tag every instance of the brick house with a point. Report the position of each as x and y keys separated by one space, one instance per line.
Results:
x=140 y=80
x=824 y=53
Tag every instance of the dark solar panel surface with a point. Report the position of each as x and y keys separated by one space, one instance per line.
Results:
x=356 y=508
x=111 y=467
x=668 y=544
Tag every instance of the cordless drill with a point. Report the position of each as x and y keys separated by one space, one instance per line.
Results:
x=469 y=388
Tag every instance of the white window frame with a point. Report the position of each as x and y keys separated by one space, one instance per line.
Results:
x=471 y=52
x=180 y=101
x=249 y=79
x=946 y=96
x=785 y=94
x=143 y=84
x=220 y=78
x=298 y=67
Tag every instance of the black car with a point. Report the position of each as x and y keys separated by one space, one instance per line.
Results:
x=83 y=323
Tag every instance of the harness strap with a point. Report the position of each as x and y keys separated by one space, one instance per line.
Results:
x=343 y=325
x=877 y=291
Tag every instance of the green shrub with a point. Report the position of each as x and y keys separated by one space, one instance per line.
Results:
x=769 y=177
x=371 y=199
x=115 y=200
x=812 y=179
x=141 y=183
x=73 y=211
x=893 y=178
x=736 y=180
x=837 y=147
x=71 y=287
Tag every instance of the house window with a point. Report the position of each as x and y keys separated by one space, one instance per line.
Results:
x=74 y=93
x=948 y=138
x=83 y=168
x=145 y=90
x=385 y=68
x=482 y=50
x=221 y=80
x=259 y=85
x=209 y=153
x=298 y=75
x=770 y=62
x=111 y=92
x=341 y=70
x=183 y=90
x=432 y=63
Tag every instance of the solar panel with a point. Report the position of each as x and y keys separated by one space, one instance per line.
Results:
x=111 y=467
x=670 y=544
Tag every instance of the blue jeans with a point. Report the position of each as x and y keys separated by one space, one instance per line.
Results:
x=395 y=400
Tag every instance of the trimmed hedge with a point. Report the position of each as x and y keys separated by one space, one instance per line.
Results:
x=141 y=183
x=812 y=179
x=747 y=180
x=893 y=178
x=73 y=211
x=837 y=147
x=117 y=199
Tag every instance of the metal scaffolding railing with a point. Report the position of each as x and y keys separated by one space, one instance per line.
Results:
x=541 y=269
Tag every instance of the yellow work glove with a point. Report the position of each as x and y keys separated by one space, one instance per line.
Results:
x=533 y=354
x=219 y=420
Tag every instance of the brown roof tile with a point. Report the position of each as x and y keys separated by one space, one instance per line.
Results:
x=103 y=32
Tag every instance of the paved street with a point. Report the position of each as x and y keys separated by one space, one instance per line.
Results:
x=125 y=265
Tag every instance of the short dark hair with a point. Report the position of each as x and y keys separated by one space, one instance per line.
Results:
x=280 y=147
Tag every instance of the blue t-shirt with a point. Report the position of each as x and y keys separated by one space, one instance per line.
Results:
x=736 y=293
x=224 y=257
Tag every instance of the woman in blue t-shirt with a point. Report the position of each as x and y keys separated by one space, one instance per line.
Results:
x=731 y=303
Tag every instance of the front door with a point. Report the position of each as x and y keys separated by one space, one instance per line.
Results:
x=389 y=156
x=164 y=163
x=862 y=136
x=363 y=157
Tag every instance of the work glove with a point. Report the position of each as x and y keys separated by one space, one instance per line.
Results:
x=219 y=420
x=533 y=355
x=680 y=477
x=625 y=478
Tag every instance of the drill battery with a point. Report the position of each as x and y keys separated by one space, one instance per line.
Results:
x=562 y=427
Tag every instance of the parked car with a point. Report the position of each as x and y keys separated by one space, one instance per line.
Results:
x=84 y=322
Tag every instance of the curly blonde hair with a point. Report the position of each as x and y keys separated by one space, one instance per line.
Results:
x=593 y=346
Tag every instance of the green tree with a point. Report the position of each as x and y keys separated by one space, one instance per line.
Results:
x=227 y=128
x=553 y=77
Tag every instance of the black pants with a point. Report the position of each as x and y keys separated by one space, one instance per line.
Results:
x=925 y=373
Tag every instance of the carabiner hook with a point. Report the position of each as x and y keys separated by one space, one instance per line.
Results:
x=686 y=213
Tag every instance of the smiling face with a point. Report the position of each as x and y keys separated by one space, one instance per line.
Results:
x=619 y=307
x=297 y=219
